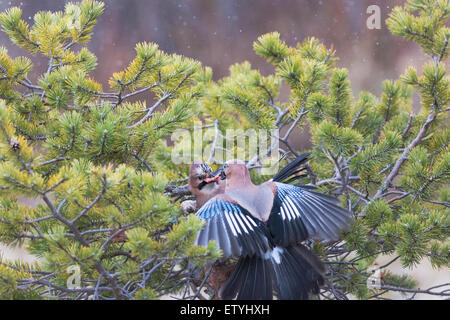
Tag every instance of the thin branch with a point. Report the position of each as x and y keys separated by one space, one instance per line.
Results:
x=147 y=276
x=445 y=292
x=403 y=195
x=139 y=158
x=202 y=283
x=408 y=125
x=158 y=103
x=53 y=161
x=89 y=207
x=139 y=91
x=387 y=182
x=442 y=203
x=280 y=117
x=150 y=111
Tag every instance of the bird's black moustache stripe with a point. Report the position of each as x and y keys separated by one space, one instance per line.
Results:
x=201 y=185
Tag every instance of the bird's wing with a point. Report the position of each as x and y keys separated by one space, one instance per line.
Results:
x=234 y=229
x=299 y=213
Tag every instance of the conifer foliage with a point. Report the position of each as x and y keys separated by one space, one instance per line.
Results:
x=100 y=168
x=89 y=156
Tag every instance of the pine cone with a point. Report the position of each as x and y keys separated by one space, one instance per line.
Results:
x=14 y=144
x=121 y=237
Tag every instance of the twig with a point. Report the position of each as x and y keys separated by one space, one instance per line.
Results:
x=202 y=283
x=387 y=182
x=150 y=111
x=445 y=204
x=139 y=158
x=53 y=161
x=445 y=292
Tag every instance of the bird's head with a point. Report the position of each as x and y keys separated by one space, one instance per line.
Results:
x=234 y=171
x=202 y=180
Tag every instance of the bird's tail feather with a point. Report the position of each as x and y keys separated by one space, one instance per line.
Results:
x=292 y=169
x=298 y=273
x=250 y=280
x=292 y=272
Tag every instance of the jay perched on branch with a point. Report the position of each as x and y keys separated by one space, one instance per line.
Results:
x=264 y=226
x=198 y=186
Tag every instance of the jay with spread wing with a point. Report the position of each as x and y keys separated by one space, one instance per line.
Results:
x=203 y=186
x=264 y=225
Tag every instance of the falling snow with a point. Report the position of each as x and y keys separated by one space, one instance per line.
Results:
x=221 y=33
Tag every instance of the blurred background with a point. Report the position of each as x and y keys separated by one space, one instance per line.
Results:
x=219 y=33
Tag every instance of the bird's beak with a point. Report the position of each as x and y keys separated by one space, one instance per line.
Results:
x=221 y=173
x=215 y=178
x=217 y=175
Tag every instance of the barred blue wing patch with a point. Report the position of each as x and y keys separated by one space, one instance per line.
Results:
x=234 y=229
x=300 y=213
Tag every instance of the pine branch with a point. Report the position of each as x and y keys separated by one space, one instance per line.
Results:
x=444 y=292
x=139 y=158
x=121 y=99
x=44 y=163
x=442 y=203
x=150 y=111
x=395 y=170
x=173 y=190
x=91 y=205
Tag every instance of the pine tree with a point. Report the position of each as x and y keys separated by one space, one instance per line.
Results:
x=391 y=167
x=97 y=162
x=101 y=167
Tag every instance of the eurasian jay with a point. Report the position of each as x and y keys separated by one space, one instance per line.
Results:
x=203 y=186
x=264 y=225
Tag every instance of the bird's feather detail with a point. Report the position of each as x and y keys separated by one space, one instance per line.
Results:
x=234 y=229
x=299 y=213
